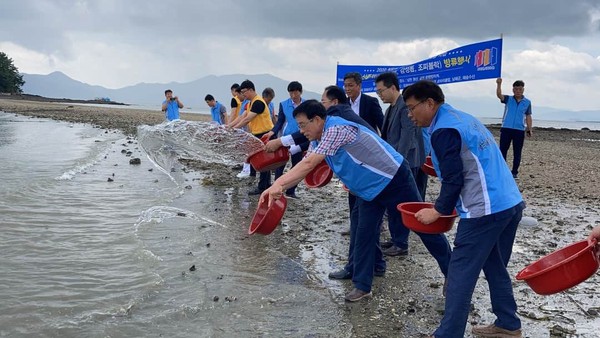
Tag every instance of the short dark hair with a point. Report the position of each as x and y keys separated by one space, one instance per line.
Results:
x=355 y=76
x=209 y=97
x=519 y=83
x=389 y=79
x=423 y=90
x=294 y=85
x=310 y=108
x=334 y=92
x=247 y=84
x=268 y=92
x=168 y=91
x=234 y=86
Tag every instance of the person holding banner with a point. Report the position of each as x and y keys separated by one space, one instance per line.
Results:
x=477 y=182
x=516 y=122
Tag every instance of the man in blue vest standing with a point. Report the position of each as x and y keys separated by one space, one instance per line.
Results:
x=286 y=125
x=218 y=111
x=516 y=122
x=371 y=169
x=475 y=180
x=171 y=106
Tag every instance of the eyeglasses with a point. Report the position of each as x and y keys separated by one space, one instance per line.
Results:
x=303 y=125
x=412 y=109
x=380 y=91
x=243 y=91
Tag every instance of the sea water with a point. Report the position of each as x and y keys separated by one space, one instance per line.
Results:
x=93 y=246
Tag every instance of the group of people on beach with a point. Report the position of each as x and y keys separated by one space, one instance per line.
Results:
x=378 y=158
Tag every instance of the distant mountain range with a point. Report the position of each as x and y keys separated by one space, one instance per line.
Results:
x=59 y=85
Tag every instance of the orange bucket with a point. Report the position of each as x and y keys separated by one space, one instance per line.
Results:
x=408 y=210
x=562 y=269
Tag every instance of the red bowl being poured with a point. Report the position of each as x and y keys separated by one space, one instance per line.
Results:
x=267 y=218
x=264 y=161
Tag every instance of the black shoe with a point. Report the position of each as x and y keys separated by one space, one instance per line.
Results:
x=395 y=251
x=292 y=195
x=256 y=191
x=379 y=273
x=341 y=274
x=387 y=244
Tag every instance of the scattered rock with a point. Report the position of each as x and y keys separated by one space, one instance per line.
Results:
x=135 y=160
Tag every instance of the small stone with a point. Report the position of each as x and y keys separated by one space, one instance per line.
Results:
x=110 y=179
x=193 y=268
x=135 y=160
x=215 y=298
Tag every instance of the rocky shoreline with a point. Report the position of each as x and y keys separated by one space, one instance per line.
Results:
x=560 y=182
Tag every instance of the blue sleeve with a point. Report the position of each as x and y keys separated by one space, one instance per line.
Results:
x=446 y=144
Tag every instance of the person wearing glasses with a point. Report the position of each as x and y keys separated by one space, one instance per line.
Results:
x=371 y=169
x=402 y=134
x=258 y=119
x=477 y=182
x=516 y=122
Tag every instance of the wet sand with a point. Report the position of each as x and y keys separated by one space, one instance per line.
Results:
x=559 y=179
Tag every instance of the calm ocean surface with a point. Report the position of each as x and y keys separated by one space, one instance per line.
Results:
x=85 y=257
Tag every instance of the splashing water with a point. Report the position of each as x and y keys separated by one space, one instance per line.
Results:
x=167 y=142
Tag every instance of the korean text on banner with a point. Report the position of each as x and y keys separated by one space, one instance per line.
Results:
x=477 y=61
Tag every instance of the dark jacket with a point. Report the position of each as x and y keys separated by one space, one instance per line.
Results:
x=370 y=111
x=402 y=134
x=342 y=110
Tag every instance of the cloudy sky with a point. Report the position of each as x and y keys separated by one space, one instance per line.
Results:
x=554 y=46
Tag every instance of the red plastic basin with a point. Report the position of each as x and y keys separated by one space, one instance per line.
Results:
x=319 y=176
x=427 y=167
x=267 y=218
x=561 y=269
x=408 y=210
x=264 y=161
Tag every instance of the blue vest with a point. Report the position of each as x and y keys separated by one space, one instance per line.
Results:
x=172 y=112
x=216 y=112
x=488 y=183
x=514 y=113
x=243 y=107
x=367 y=165
x=290 y=125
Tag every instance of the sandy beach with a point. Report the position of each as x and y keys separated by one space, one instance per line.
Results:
x=559 y=180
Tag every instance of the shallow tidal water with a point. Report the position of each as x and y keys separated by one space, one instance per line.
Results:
x=93 y=246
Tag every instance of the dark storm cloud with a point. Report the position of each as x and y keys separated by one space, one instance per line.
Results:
x=45 y=25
